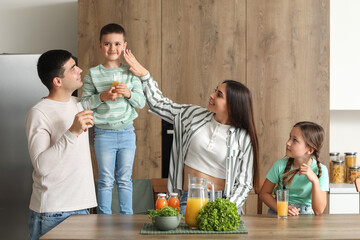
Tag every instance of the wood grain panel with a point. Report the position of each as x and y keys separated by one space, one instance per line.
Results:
x=287 y=71
x=203 y=43
x=141 y=20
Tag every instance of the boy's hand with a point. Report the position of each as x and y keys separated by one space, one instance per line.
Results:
x=122 y=89
x=80 y=122
x=308 y=172
x=109 y=95
x=135 y=67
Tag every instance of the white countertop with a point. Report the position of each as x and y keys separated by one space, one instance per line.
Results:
x=342 y=188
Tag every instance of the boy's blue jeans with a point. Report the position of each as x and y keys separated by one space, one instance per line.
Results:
x=115 y=150
x=41 y=223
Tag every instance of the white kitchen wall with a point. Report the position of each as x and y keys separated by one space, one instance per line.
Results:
x=38 y=25
x=345 y=132
x=344 y=76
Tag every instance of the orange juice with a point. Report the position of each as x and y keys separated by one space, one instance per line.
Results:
x=174 y=202
x=114 y=83
x=282 y=208
x=161 y=201
x=193 y=206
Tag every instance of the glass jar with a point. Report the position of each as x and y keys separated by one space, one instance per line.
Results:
x=337 y=169
x=353 y=173
x=350 y=159
x=174 y=201
x=161 y=201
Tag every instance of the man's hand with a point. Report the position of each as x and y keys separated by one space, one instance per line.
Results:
x=81 y=121
x=109 y=95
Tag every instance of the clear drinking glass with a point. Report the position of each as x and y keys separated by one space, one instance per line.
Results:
x=116 y=81
x=282 y=199
x=85 y=106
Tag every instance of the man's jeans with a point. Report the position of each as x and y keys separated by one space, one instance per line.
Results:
x=41 y=223
x=115 y=150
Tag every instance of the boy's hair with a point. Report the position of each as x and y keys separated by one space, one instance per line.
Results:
x=51 y=64
x=313 y=135
x=112 y=28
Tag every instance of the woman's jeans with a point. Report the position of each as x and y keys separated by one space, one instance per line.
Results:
x=115 y=151
x=303 y=209
x=41 y=223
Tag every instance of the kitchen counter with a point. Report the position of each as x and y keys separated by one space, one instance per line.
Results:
x=96 y=226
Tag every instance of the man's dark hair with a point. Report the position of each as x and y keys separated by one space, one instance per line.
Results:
x=111 y=28
x=51 y=64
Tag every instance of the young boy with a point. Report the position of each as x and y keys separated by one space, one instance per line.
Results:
x=114 y=113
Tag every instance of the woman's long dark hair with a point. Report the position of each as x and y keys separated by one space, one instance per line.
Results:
x=241 y=114
x=313 y=135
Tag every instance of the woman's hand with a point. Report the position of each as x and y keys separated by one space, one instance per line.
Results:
x=308 y=172
x=135 y=67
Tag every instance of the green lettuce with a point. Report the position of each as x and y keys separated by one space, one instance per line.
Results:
x=220 y=215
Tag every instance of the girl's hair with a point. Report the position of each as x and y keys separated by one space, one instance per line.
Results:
x=313 y=135
x=241 y=114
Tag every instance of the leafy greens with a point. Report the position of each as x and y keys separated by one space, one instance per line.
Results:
x=220 y=215
x=164 y=212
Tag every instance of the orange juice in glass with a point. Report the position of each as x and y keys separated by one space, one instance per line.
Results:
x=161 y=201
x=174 y=201
x=116 y=81
x=282 y=199
x=197 y=198
x=193 y=206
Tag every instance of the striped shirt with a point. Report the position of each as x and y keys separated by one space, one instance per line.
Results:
x=112 y=114
x=187 y=121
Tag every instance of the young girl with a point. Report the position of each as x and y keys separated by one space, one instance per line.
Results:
x=300 y=172
x=218 y=143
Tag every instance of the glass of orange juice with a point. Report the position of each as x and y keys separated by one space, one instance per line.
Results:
x=282 y=199
x=85 y=106
x=116 y=81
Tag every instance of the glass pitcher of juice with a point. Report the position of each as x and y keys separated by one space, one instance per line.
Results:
x=197 y=199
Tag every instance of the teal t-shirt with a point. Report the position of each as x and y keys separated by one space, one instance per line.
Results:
x=300 y=190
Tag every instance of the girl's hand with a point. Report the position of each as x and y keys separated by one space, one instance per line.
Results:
x=135 y=67
x=293 y=211
x=308 y=172
x=109 y=95
x=123 y=90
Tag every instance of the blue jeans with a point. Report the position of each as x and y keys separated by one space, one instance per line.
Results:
x=115 y=150
x=41 y=223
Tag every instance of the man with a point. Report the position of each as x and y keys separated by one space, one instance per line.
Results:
x=56 y=129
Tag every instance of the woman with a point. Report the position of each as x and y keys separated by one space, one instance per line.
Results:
x=218 y=143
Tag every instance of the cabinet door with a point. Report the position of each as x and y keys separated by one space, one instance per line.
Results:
x=344 y=203
x=345 y=55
